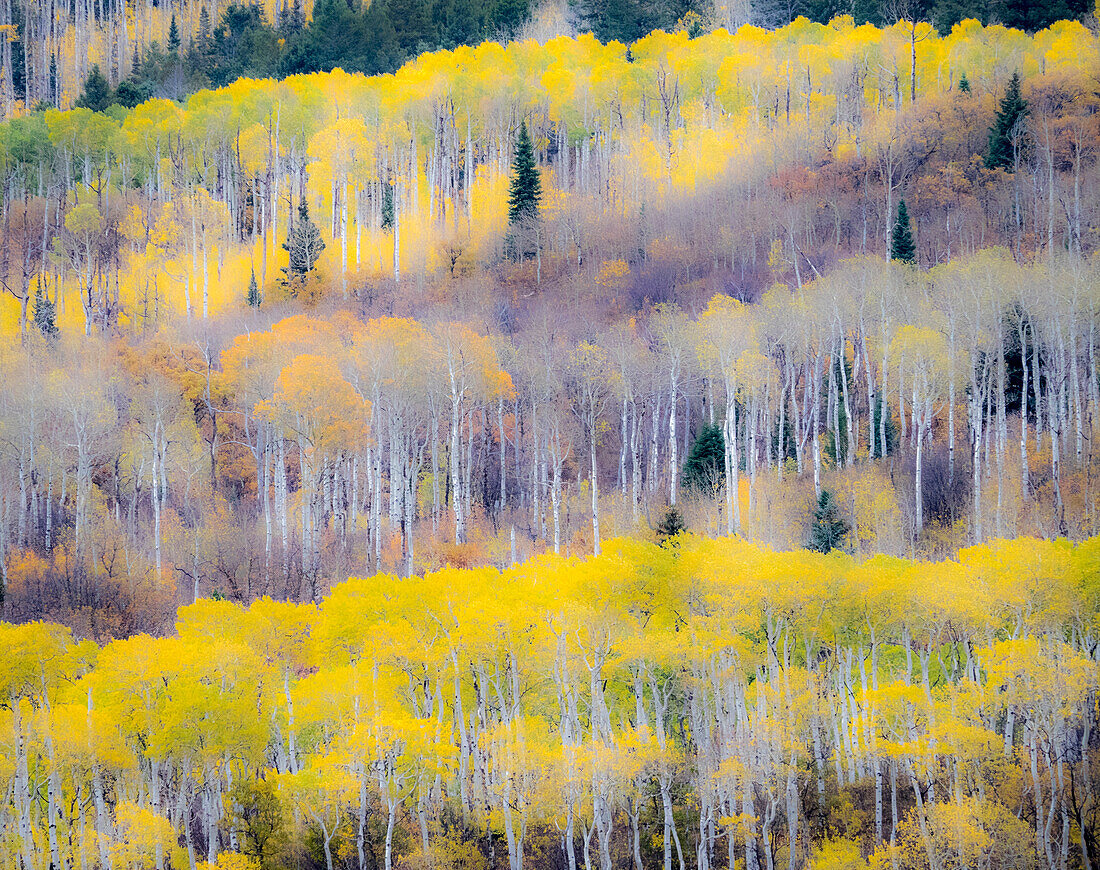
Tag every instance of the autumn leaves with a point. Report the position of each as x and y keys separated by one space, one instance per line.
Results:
x=716 y=699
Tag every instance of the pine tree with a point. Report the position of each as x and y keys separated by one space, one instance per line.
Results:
x=828 y=527
x=525 y=189
x=1005 y=133
x=964 y=84
x=254 y=297
x=97 y=94
x=45 y=313
x=173 y=36
x=304 y=244
x=902 y=246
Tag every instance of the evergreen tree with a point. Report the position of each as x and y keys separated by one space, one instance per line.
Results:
x=294 y=19
x=45 y=313
x=1005 y=133
x=964 y=84
x=387 y=206
x=303 y=243
x=525 y=189
x=705 y=466
x=671 y=524
x=53 y=83
x=97 y=94
x=254 y=297
x=173 y=36
x=902 y=246
x=205 y=30
x=827 y=527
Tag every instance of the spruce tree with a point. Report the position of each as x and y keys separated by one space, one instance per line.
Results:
x=97 y=94
x=827 y=527
x=254 y=297
x=1005 y=132
x=303 y=243
x=525 y=189
x=964 y=84
x=45 y=313
x=902 y=246
x=173 y=36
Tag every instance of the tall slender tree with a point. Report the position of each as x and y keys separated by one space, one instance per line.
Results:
x=525 y=189
x=902 y=246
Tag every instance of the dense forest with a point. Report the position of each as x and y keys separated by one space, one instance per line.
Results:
x=563 y=451
x=54 y=53
x=289 y=332
x=705 y=704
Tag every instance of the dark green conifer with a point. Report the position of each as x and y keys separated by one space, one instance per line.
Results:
x=705 y=466
x=525 y=189
x=173 y=36
x=204 y=26
x=1007 y=129
x=97 y=94
x=254 y=297
x=671 y=524
x=827 y=527
x=964 y=84
x=53 y=83
x=387 y=206
x=304 y=244
x=902 y=246
x=45 y=313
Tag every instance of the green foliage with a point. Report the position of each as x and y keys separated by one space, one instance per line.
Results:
x=629 y=20
x=1029 y=15
x=1033 y=15
x=525 y=187
x=304 y=244
x=132 y=92
x=964 y=84
x=671 y=524
x=173 y=35
x=902 y=246
x=45 y=313
x=524 y=195
x=378 y=37
x=97 y=94
x=243 y=44
x=387 y=206
x=257 y=818
x=1006 y=134
x=827 y=526
x=254 y=297
x=705 y=466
